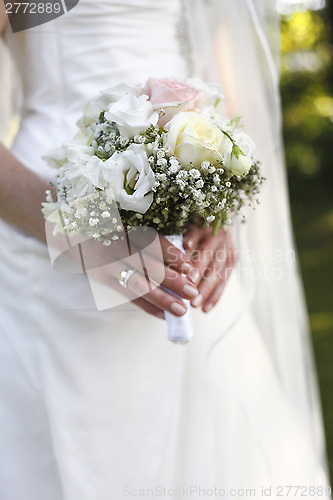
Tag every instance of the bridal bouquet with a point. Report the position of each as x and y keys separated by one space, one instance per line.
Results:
x=164 y=153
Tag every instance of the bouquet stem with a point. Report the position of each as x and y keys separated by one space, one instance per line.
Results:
x=216 y=225
x=180 y=329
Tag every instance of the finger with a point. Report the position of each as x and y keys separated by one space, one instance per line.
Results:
x=176 y=259
x=158 y=297
x=138 y=287
x=179 y=284
x=215 y=272
x=149 y=308
x=203 y=255
x=217 y=292
x=156 y=272
x=209 y=281
x=191 y=238
x=171 y=255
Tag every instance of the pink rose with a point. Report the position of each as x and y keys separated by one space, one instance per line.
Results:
x=172 y=96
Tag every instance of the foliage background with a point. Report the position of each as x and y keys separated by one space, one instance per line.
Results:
x=306 y=89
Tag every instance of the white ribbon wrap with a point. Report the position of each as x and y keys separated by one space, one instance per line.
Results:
x=180 y=329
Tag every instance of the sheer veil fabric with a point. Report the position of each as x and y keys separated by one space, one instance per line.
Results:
x=95 y=402
x=237 y=44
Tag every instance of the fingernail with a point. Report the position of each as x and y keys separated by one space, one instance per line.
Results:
x=187 y=244
x=190 y=291
x=194 y=275
x=197 y=301
x=178 y=309
x=207 y=307
x=186 y=268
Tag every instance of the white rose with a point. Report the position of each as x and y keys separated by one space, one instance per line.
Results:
x=101 y=102
x=245 y=143
x=211 y=93
x=132 y=115
x=239 y=162
x=193 y=139
x=239 y=165
x=131 y=178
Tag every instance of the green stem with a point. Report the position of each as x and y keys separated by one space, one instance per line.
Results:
x=216 y=225
x=229 y=136
x=234 y=145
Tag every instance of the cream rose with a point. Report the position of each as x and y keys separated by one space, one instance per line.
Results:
x=193 y=139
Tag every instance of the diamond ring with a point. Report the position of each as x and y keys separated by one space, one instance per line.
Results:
x=125 y=276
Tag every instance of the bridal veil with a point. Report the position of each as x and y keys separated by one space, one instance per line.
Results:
x=237 y=44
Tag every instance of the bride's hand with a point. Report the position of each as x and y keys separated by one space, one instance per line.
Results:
x=214 y=258
x=171 y=264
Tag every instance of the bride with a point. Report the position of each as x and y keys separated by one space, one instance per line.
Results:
x=99 y=405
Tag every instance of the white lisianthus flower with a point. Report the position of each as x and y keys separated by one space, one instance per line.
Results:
x=131 y=178
x=133 y=115
x=101 y=103
x=82 y=136
x=77 y=153
x=193 y=139
x=239 y=160
x=82 y=173
x=50 y=209
x=55 y=158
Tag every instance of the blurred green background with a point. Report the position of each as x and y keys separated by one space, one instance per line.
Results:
x=307 y=98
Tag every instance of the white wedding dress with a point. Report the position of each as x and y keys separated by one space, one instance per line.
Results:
x=97 y=405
